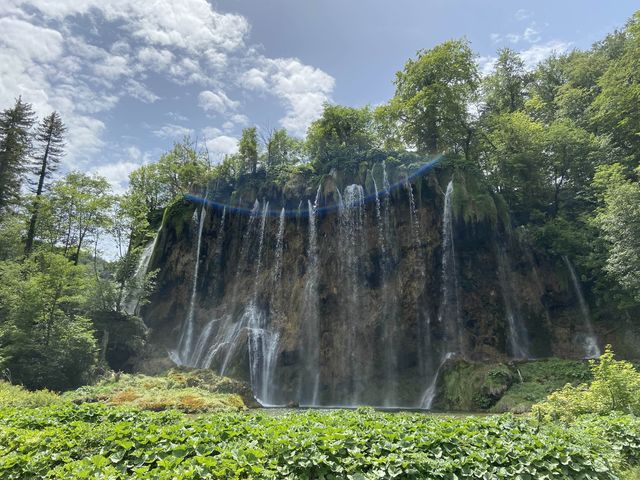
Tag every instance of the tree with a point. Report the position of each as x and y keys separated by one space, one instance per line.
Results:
x=15 y=144
x=616 y=107
x=50 y=139
x=179 y=170
x=281 y=149
x=505 y=88
x=432 y=97
x=513 y=161
x=618 y=218
x=45 y=341
x=80 y=204
x=340 y=138
x=570 y=155
x=248 y=150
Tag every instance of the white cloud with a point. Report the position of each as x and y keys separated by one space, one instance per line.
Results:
x=531 y=35
x=537 y=53
x=48 y=56
x=216 y=102
x=209 y=132
x=117 y=174
x=486 y=65
x=222 y=145
x=173 y=132
x=303 y=89
x=30 y=42
x=523 y=14
x=240 y=119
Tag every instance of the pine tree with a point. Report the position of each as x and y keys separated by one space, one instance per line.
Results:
x=50 y=148
x=15 y=144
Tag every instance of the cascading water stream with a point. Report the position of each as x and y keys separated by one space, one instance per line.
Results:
x=517 y=332
x=449 y=311
x=132 y=296
x=424 y=324
x=277 y=267
x=263 y=343
x=352 y=245
x=310 y=374
x=430 y=393
x=589 y=341
x=232 y=326
x=200 y=356
x=185 y=344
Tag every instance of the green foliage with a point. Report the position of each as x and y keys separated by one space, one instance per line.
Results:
x=340 y=139
x=505 y=88
x=44 y=339
x=158 y=393
x=499 y=388
x=614 y=388
x=93 y=441
x=433 y=92
x=15 y=146
x=619 y=221
x=18 y=397
x=473 y=202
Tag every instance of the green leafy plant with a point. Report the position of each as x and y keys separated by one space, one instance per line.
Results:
x=614 y=387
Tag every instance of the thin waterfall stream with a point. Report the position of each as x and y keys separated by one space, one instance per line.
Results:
x=588 y=340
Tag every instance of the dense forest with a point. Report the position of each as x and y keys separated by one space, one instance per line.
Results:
x=559 y=143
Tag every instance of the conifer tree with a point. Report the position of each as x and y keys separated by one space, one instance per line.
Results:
x=50 y=148
x=15 y=144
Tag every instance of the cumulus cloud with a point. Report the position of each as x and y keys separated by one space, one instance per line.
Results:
x=537 y=53
x=173 y=132
x=50 y=56
x=216 y=102
x=303 y=89
x=221 y=145
x=117 y=174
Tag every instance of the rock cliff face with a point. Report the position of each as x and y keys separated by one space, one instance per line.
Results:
x=345 y=297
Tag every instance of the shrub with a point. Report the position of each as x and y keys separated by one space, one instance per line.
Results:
x=614 y=387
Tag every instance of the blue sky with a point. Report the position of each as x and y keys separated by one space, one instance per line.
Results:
x=131 y=76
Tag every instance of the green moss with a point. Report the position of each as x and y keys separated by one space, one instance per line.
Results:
x=472 y=387
x=177 y=216
x=500 y=387
x=472 y=200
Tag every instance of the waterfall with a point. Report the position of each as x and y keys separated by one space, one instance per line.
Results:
x=381 y=242
x=185 y=344
x=232 y=326
x=589 y=341
x=200 y=354
x=424 y=324
x=263 y=344
x=517 y=332
x=449 y=311
x=132 y=295
x=430 y=393
x=389 y=301
x=310 y=375
x=277 y=267
x=352 y=244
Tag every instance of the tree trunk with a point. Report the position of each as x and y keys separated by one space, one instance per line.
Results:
x=36 y=203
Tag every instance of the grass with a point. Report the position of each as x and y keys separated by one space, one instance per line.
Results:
x=187 y=391
x=17 y=396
